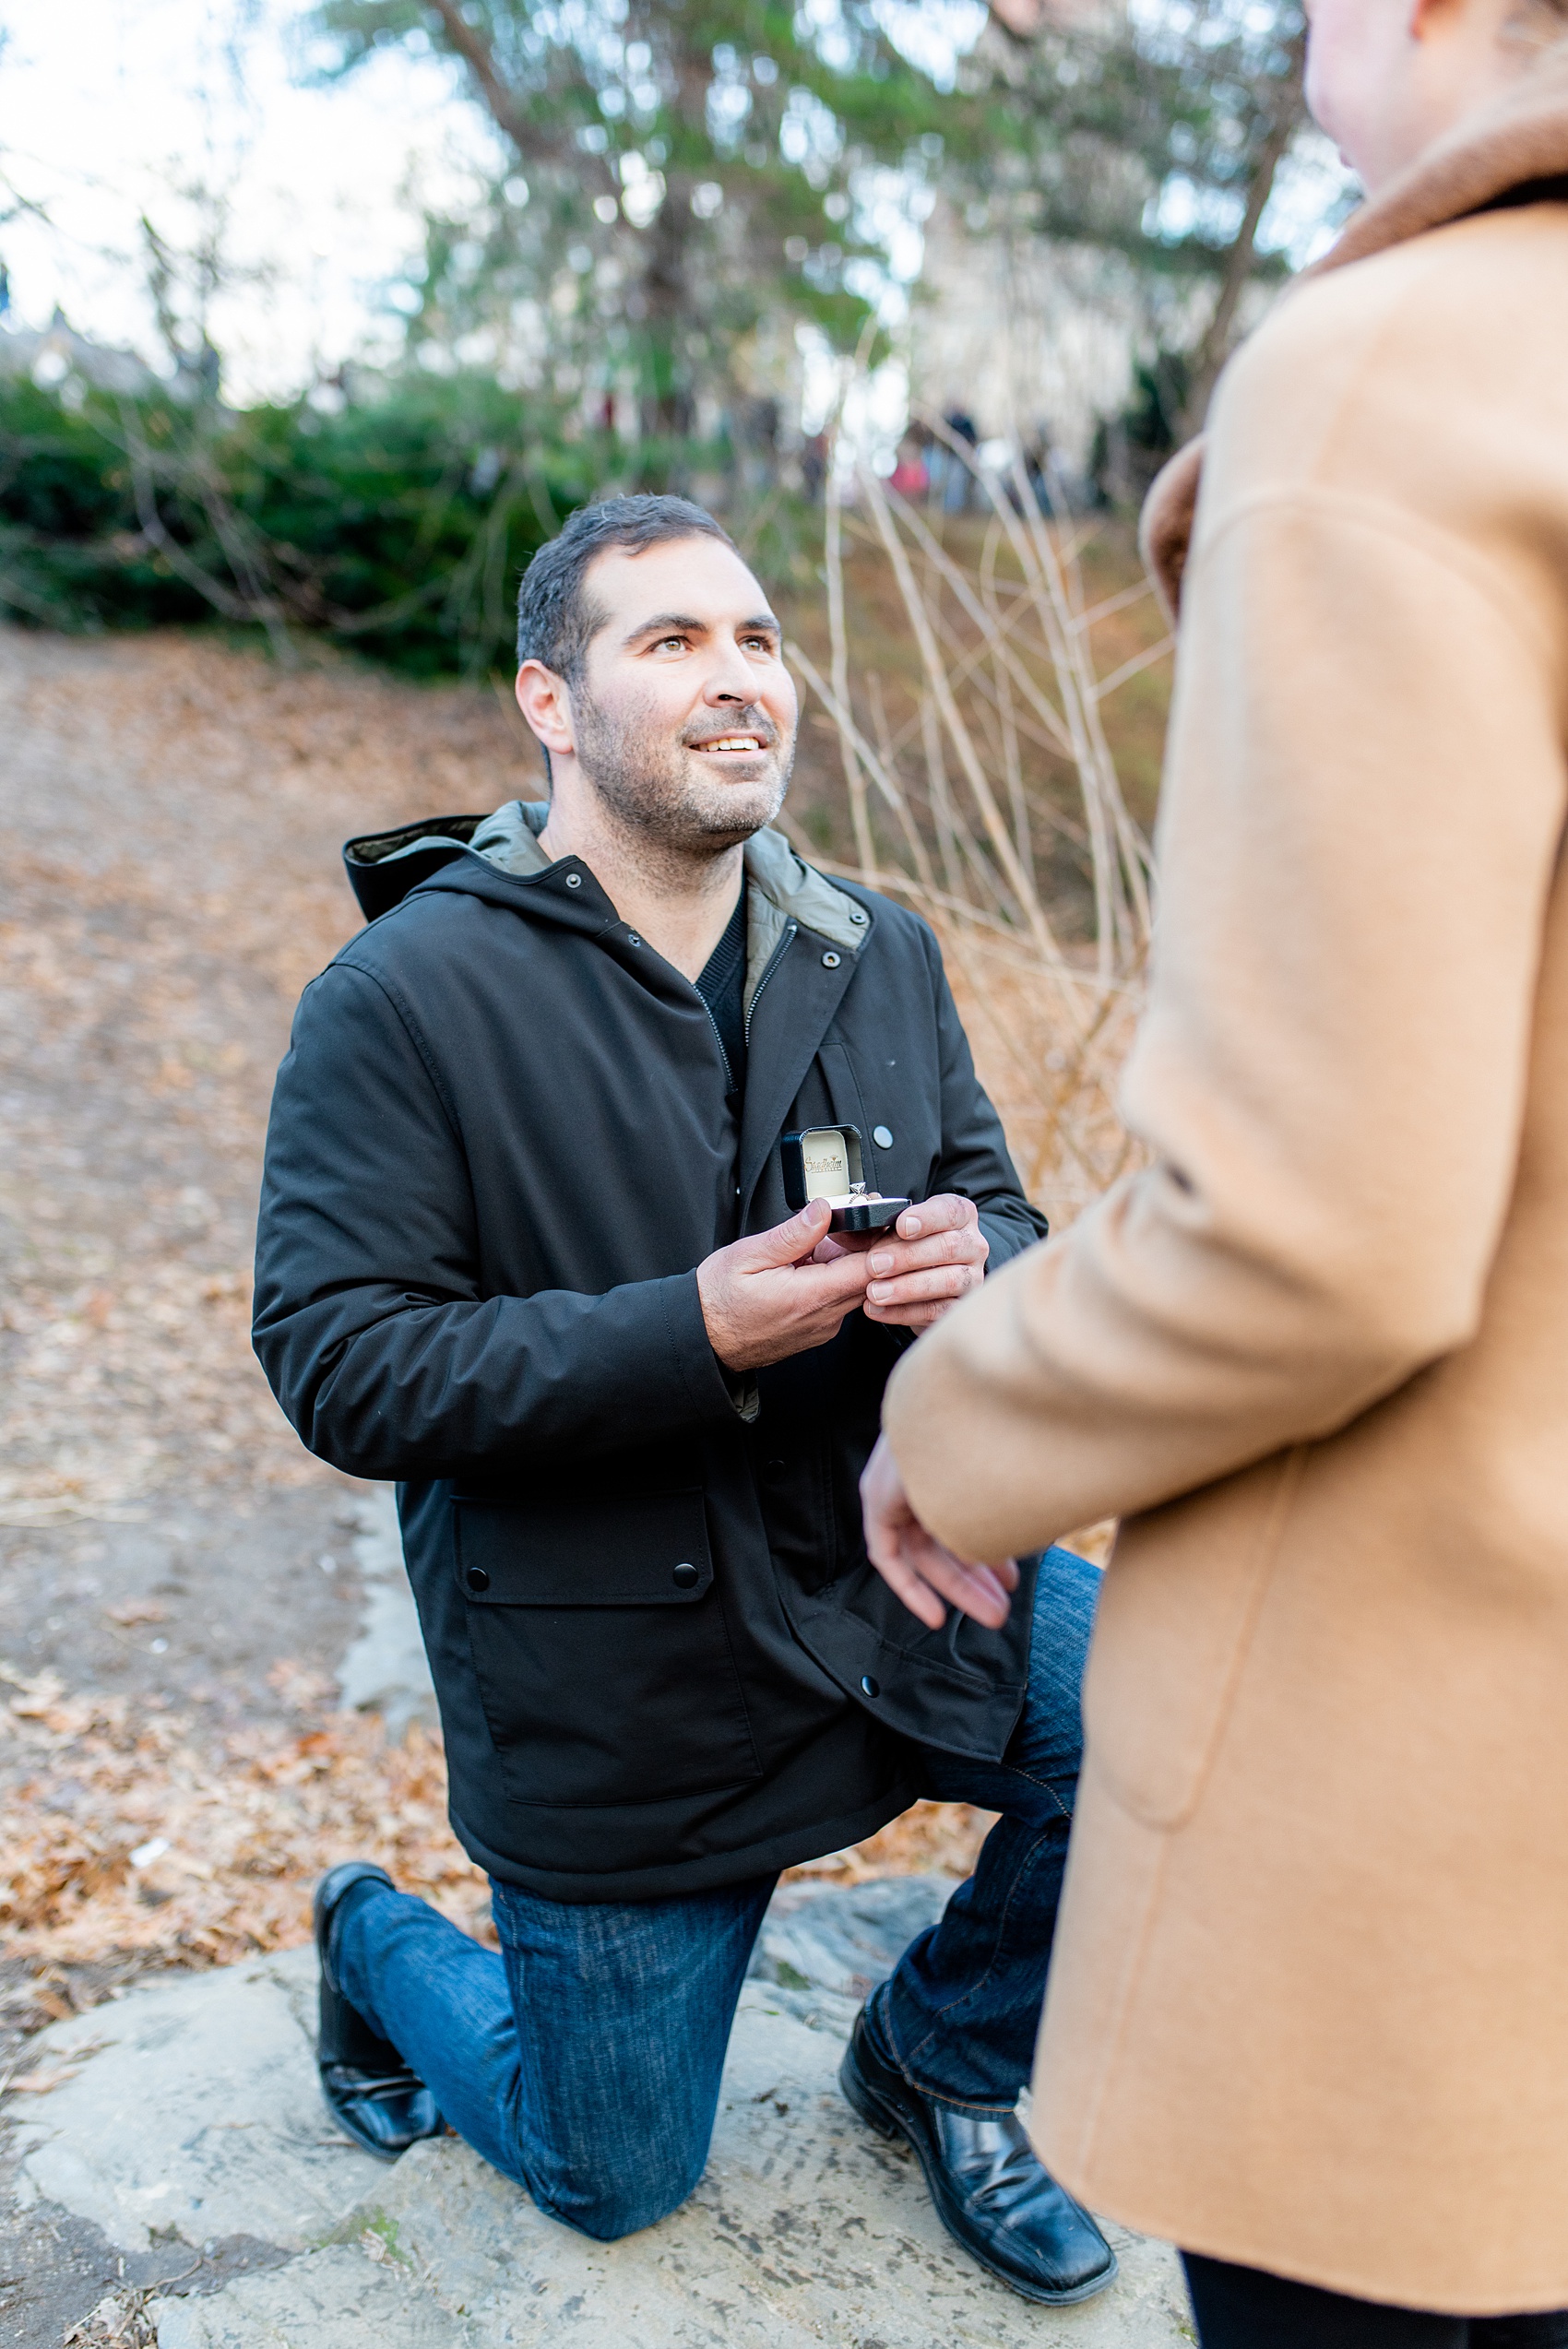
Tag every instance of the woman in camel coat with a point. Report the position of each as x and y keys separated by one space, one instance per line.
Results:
x=1309 y=2010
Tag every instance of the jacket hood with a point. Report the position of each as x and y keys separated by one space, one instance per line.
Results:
x=385 y=867
x=1515 y=151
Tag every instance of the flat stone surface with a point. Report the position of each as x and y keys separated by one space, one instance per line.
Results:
x=189 y=2109
x=335 y=2299
x=192 y=2113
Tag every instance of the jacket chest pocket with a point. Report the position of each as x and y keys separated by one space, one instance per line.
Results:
x=601 y=1648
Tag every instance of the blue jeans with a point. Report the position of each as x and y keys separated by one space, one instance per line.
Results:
x=583 y=2060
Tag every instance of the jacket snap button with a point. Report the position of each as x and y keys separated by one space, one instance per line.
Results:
x=882 y=1136
x=870 y=1687
x=687 y=1577
x=857 y=913
x=631 y=938
x=830 y=962
x=478 y=1579
x=573 y=880
x=773 y=1467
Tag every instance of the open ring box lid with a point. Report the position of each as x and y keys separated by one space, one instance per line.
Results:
x=825 y=1162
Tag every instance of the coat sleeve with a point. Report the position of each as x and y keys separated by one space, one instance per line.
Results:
x=1364 y=802
x=371 y=1321
x=975 y=1159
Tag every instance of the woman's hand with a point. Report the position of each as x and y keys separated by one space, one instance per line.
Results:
x=918 y=1568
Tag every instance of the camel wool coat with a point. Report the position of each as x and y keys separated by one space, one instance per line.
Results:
x=1308 y=2006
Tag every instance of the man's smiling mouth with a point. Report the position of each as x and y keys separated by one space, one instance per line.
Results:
x=731 y=744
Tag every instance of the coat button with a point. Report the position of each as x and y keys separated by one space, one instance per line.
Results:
x=882 y=1136
x=686 y=1578
x=478 y=1579
x=773 y=1467
x=831 y=962
x=573 y=880
x=631 y=938
x=858 y=914
x=870 y=1687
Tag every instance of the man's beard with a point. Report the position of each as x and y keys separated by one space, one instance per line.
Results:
x=644 y=778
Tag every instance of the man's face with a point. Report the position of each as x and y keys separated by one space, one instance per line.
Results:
x=684 y=716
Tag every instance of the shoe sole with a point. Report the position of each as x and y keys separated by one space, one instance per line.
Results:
x=888 y=2122
x=343 y=2116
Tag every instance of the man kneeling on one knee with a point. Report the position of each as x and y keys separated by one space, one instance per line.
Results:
x=526 y=1248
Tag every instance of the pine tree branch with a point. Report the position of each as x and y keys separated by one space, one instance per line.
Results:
x=533 y=143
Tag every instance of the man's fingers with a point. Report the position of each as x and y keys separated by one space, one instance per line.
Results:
x=842 y=1276
x=966 y=1246
x=946 y=1211
x=788 y=1243
x=944 y=1284
x=909 y=1317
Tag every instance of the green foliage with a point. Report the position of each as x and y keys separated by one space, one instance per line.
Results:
x=691 y=172
x=396 y=527
x=1146 y=133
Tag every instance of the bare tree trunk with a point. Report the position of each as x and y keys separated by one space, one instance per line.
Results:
x=532 y=143
x=670 y=410
x=1288 y=113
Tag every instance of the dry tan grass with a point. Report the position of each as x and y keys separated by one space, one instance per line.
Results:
x=983 y=787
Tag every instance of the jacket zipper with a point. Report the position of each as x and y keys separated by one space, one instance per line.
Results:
x=729 y=1072
x=774 y=960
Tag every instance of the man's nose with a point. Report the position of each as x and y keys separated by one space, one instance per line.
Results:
x=729 y=679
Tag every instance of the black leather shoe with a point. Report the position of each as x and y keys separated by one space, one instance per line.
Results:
x=992 y=2192
x=370 y=2091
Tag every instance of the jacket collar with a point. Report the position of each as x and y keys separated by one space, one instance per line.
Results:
x=1517 y=146
x=1519 y=140
x=784 y=891
x=803 y=932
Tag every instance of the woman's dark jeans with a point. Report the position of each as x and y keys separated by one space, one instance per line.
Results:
x=1245 y=2308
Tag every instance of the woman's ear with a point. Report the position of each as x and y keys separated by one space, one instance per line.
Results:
x=546 y=705
x=1429 y=17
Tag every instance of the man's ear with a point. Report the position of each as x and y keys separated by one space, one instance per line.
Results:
x=546 y=704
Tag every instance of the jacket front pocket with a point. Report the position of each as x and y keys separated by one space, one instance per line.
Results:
x=1175 y=1622
x=601 y=1648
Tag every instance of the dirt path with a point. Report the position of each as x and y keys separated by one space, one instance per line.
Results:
x=175 y=1578
x=171 y=815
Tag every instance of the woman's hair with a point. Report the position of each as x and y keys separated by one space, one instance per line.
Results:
x=1539 y=24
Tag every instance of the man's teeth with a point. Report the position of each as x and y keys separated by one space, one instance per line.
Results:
x=735 y=742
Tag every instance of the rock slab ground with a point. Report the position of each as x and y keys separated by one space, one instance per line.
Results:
x=186 y=2113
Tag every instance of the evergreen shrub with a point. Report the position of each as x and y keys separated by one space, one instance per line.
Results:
x=396 y=525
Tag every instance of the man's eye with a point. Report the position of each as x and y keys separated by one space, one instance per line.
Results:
x=665 y=642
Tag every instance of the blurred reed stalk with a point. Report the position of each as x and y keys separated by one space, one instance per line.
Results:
x=990 y=800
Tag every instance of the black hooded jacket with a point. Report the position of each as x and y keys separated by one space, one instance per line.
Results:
x=500 y=1146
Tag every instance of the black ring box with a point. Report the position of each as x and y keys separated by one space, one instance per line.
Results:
x=825 y=1162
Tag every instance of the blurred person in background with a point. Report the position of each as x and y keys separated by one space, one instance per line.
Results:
x=1309 y=2008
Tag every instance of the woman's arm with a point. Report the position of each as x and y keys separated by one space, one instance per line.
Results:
x=1364 y=805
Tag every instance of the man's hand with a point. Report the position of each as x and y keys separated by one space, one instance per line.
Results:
x=937 y=1256
x=916 y=1566
x=764 y=1298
